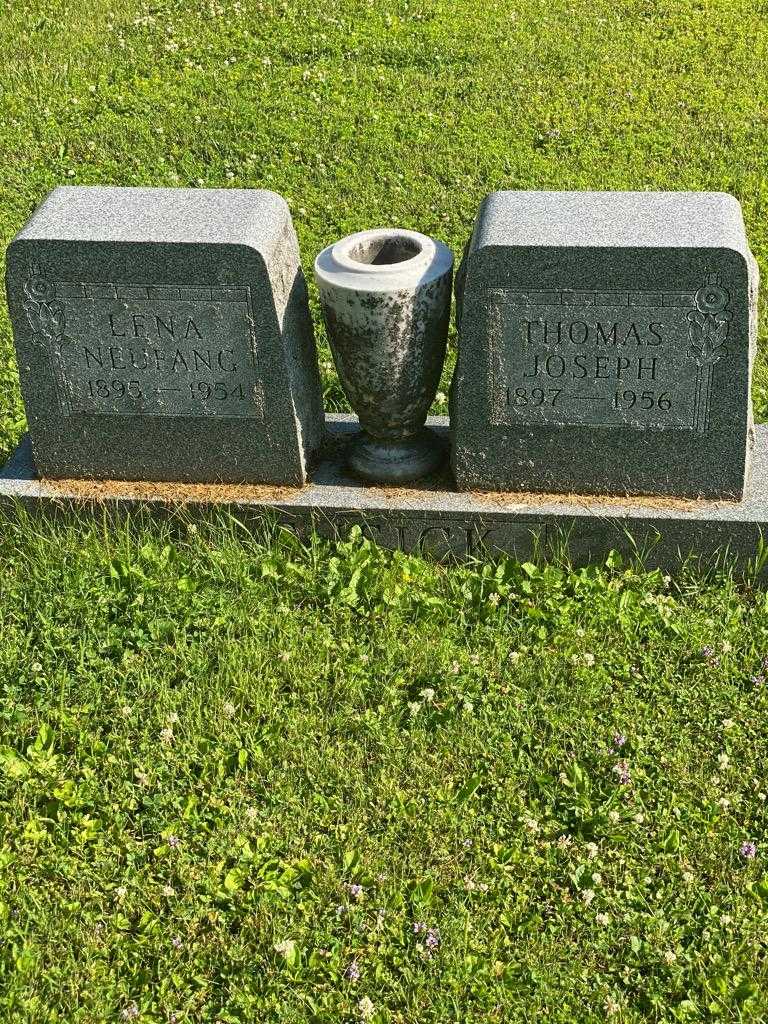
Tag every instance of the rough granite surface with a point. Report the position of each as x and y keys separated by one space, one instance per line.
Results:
x=606 y=342
x=165 y=335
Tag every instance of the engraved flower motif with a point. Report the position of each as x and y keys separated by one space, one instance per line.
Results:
x=39 y=289
x=711 y=298
x=46 y=318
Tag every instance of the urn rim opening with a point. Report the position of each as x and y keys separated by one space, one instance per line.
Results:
x=383 y=251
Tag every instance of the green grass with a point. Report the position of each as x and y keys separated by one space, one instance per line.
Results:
x=305 y=720
x=346 y=717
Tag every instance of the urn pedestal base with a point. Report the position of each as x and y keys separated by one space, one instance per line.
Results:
x=396 y=462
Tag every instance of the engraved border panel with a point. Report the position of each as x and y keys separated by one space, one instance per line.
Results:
x=700 y=318
x=62 y=316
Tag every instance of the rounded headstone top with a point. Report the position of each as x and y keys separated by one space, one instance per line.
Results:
x=611 y=219
x=107 y=213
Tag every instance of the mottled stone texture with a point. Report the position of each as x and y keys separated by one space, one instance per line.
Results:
x=605 y=345
x=164 y=334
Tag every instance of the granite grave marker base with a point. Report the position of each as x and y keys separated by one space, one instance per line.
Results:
x=431 y=518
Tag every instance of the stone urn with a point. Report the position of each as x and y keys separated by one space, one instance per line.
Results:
x=386 y=300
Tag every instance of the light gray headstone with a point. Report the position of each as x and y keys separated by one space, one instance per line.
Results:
x=605 y=345
x=164 y=334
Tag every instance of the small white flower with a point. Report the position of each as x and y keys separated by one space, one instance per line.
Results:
x=455 y=668
x=168 y=891
x=597 y=878
x=725 y=920
x=639 y=818
x=723 y=760
x=251 y=813
x=614 y=817
x=228 y=709
x=427 y=695
x=414 y=707
x=494 y=599
x=121 y=892
x=728 y=723
x=603 y=919
x=589 y=659
x=592 y=850
x=173 y=718
x=587 y=895
x=285 y=656
x=727 y=646
x=166 y=736
x=724 y=802
x=514 y=656
x=285 y=948
x=366 y=1008
x=687 y=877
x=564 y=841
x=126 y=710
x=670 y=956
x=532 y=825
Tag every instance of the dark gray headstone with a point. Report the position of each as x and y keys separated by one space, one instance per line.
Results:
x=164 y=334
x=605 y=345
